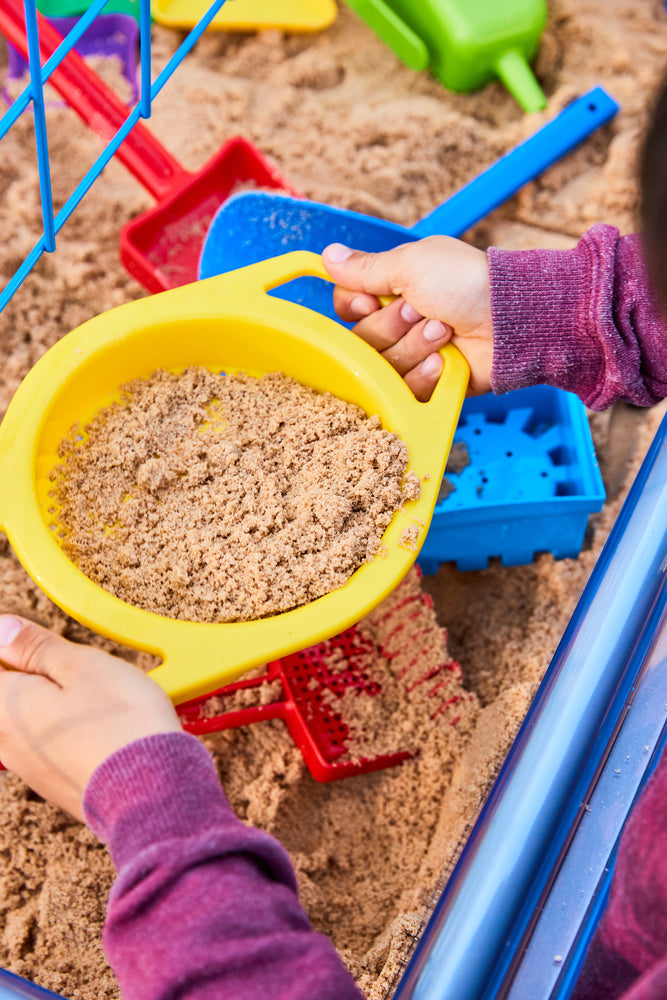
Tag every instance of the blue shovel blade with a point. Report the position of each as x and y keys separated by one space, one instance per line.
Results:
x=287 y=224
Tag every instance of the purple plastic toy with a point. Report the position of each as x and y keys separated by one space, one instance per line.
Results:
x=108 y=36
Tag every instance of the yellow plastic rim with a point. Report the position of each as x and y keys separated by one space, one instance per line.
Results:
x=248 y=15
x=228 y=322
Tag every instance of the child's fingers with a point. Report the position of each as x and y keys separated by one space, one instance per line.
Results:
x=10 y=626
x=423 y=378
x=351 y=306
x=386 y=327
x=417 y=344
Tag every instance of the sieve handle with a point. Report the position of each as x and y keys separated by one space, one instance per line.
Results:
x=275 y=271
x=267 y=274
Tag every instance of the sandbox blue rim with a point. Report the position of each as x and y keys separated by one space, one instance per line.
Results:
x=473 y=944
x=34 y=92
x=556 y=946
x=15 y=988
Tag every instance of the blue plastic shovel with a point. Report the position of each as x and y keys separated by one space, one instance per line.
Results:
x=255 y=225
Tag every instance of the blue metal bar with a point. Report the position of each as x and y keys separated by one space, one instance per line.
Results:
x=15 y=988
x=570 y=912
x=87 y=181
x=91 y=175
x=16 y=110
x=186 y=45
x=72 y=37
x=145 y=51
x=75 y=33
x=96 y=169
x=479 y=923
x=68 y=43
x=41 y=139
x=22 y=272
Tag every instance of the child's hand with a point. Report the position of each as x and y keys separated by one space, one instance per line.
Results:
x=443 y=289
x=65 y=708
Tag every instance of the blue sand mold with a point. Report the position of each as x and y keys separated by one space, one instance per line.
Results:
x=532 y=481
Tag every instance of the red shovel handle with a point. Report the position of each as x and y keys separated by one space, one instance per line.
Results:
x=195 y=722
x=234 y=719
x=96 y=103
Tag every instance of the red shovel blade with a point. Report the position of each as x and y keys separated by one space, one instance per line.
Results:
x=160 y=247
x=311 y=682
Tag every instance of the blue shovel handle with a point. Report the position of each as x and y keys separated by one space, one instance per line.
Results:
x=522 y=164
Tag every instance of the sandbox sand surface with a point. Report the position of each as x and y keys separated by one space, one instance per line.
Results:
x=349 y=125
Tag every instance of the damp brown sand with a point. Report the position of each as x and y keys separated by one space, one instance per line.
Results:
x=213 y=497
x=348 y=125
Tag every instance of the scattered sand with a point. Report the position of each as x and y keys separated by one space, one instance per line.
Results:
x=216 y=497
x=349 y=125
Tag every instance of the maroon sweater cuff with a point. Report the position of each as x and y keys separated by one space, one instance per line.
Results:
x=543 y=329
x=129 y=800
x=585 y=320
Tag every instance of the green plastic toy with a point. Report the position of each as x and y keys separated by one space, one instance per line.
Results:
x=74 y=8
x=465 y=43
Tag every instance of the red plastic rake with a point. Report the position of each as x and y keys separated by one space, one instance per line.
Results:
x=307 y=705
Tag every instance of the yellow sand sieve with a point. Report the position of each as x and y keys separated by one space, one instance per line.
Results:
x=226 y=322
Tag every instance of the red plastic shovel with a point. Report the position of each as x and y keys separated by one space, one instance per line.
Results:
x=307 y=706
x=306 y=691
x=160 y=247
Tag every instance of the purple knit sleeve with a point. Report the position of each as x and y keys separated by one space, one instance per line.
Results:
x=585 y=320
x=204 y=907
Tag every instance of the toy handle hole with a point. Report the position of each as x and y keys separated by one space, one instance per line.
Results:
x=309 y=291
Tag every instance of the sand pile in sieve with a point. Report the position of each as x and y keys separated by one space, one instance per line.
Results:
x=217 y=497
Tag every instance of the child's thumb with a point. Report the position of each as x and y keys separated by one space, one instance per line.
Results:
x=30 y=648
x=359 y=271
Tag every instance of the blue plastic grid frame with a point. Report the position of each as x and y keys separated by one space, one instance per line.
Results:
x=532 y=481
x=34 y=92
